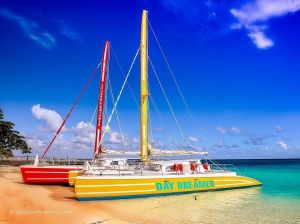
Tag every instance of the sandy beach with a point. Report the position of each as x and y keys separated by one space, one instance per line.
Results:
x=21 y=203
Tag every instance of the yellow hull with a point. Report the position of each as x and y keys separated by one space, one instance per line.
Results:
x=115 y=187
x=72 y=176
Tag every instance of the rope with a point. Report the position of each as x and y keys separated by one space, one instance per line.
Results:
x=118 y=98
x=88 y=129
x=105 y=104
x=173 y=76
x=167 y=100
x=122 y=71
x=71 y=110
x=150 y=121
x=117 y=115
x=152 y=101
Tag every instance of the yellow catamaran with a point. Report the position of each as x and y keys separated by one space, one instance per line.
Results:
x=117 y=178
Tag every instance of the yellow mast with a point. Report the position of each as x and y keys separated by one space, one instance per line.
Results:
x=144 y=87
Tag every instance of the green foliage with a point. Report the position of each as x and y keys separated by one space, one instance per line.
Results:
x=10 y=139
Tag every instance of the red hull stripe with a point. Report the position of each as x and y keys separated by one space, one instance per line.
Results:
x=54 y=178
x=34 y=174
x=43 y=172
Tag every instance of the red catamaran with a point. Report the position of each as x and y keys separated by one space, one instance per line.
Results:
x=46 y=174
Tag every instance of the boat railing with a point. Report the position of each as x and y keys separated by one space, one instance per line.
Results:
x=27 y=160
x=223 y=167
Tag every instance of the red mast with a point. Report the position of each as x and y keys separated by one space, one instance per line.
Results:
x=104 y=68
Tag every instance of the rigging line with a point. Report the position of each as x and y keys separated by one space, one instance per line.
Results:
x=215 y=163
x=122 y=88
x=105 y=104
x=123 y=73
x=88 y=129
x=162 y=121
x=105 y=96
x=105 y=109
x=117 y=114
x=150 y=121
x=173 y=76
x=72 y=108
x=168 y=102
x=152 y=101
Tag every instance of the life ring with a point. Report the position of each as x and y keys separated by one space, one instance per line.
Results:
x=206 y=166
x=175 y=167
x=194 y=167
x=178 y=167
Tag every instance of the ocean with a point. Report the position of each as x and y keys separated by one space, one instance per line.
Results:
x=276 y=201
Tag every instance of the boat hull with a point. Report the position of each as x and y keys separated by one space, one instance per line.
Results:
x=47 y=174
x=108 y=187
x=72 y=176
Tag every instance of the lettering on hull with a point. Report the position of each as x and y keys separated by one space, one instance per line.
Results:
x=184 y=185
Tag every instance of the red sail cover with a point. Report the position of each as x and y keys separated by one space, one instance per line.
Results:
x=104 y=68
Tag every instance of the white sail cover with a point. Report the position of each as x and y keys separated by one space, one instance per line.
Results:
x=162 y=152
x=156 y=152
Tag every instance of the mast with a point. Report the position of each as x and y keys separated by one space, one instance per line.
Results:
x=144 y=87
x=104 y=68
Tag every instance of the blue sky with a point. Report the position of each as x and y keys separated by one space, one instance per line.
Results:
x=237 y=64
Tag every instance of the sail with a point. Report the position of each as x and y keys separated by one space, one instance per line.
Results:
x=104 y=69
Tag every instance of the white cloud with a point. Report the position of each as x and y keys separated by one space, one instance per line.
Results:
x=283 y=145
x=36 y=142
x=221 y=130
x=259 y=38
x=51 y=117
x=114 y=137
x=279 y=128
x=235 y=130
x=78 y=138
x=193 y=139
x=262 y=10
x=84 y=134
x=253 y=16
x=67 y=32
x=31 y=29
x=135 y=140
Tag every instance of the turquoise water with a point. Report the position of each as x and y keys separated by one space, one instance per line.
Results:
x=280 y=180
x=276 y=201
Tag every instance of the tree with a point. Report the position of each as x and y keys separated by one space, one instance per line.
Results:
x=10 y=139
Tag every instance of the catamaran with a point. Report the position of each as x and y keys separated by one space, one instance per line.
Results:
x=46 y=174
x=121 y=178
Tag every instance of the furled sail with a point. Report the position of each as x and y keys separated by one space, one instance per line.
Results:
x=104 y=69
